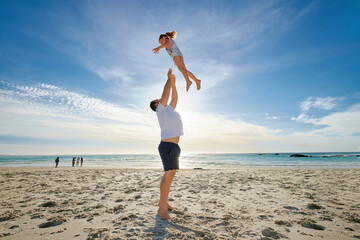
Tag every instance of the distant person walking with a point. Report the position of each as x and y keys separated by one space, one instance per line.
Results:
x=171 y=130
x=78 y=161
x=73 y=161
x=57 y=160
x=82 y=161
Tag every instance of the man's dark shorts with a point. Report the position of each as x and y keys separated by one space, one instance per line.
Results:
x=169 y=153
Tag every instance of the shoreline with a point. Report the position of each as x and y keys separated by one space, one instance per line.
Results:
x=191 y=161
x=246 y=203
x=140 y=154
x=186 y=169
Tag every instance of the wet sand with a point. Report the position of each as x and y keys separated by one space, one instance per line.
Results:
x=94 y=203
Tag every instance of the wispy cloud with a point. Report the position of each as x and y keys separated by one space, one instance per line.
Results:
x=59 y=116
x=340 y=123
x=344 y=122
x=110 y=40
x=269 y=117
x=117 y=75
x=326 y=103
x=323 y=103
x=56 y=113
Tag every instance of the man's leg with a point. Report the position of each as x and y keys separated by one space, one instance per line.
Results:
x=164 y=193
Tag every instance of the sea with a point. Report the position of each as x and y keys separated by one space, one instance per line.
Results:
x=195 y=161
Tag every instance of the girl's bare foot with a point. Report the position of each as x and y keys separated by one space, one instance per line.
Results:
x=164 y=214
x=198 y=84
x=188 y=84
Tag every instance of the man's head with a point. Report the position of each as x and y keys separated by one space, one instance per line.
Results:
x=154 y=104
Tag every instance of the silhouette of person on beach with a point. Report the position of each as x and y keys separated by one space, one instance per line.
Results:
x=73 y=161
x=57 y=160
x=171 y=130
x=78 y=161
x=82 y=161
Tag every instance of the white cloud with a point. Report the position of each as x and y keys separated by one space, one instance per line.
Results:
x=269 y=117
x=326 y=103
x=49 y=112
x=344 y=123
x=118 y=75
x=303 y=118
x=52 y=99
x=341 y=123
x=272 y=118
x=52 y=112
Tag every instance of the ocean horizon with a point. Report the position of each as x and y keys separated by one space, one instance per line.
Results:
x=191 y=161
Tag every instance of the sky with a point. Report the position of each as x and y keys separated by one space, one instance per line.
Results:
x=76 y=77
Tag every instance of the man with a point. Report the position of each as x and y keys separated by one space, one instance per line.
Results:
x=171 y=130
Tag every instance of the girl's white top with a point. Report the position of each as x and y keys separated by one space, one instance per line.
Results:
x=169 y=121
x=173 y=50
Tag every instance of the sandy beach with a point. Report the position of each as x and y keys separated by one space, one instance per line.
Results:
x=94 y=203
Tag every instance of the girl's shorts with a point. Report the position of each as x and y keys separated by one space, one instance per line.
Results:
x=169 y=153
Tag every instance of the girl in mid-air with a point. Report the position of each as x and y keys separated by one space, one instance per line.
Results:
x=167 y=41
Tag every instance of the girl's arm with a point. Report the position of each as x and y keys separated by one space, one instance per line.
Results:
x=156 y=50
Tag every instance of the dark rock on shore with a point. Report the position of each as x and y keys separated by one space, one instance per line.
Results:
x=298 y=155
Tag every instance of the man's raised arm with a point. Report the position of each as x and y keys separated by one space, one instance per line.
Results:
x=166 y=92
x=174 y=95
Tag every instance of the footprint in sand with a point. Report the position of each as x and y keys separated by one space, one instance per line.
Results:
x=283 y=223
x=314 y=206
x=271 y=233
x=48 y=204
x=311 y=224
x=52 y=222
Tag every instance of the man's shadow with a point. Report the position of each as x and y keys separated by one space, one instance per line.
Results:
x=159 y=231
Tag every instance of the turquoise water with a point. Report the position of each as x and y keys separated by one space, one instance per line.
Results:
x=206 y=161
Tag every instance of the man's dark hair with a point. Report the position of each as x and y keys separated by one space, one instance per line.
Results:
x=152 y=105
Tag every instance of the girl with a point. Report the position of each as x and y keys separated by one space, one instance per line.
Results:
x=166 y=41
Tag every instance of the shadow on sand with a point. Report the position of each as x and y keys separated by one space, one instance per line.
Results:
x=160 y=229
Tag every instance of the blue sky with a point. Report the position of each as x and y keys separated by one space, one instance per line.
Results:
x=76 y=77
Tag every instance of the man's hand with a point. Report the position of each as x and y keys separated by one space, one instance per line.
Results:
x=171 y=76
x=156 y=50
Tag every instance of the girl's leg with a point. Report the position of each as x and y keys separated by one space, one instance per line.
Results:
x=197 y=81
x=180 y=64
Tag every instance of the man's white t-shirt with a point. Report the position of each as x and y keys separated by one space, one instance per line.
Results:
x=170 y=122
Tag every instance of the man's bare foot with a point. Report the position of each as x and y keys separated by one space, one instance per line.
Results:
x=164 y=214
x=188 y=84
x=170 y=208
x=198 y=84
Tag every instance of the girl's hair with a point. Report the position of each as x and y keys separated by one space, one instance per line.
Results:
x=171 y=35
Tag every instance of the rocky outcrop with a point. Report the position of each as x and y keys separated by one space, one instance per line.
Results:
x=298 y=155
